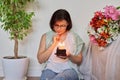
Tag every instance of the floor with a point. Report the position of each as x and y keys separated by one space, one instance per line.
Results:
x=33 y=78
x=29 y=78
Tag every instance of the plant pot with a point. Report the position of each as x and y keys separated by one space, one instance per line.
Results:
x=15 y=69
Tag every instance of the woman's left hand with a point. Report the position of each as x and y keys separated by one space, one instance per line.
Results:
x=63 y=57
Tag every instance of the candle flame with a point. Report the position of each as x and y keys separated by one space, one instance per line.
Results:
x=61 y=45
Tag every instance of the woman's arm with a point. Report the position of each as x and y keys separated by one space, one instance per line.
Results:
x=77 y=59
x=43 y=53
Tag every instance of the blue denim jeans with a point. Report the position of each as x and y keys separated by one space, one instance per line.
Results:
x=69 y=74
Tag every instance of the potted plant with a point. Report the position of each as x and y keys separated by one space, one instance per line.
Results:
x=16 y=21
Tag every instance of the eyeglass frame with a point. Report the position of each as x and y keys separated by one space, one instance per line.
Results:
x=60 y=26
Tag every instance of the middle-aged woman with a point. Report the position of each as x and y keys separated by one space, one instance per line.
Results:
x=58 y=67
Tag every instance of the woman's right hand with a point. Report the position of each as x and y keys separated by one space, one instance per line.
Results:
x=56 y=38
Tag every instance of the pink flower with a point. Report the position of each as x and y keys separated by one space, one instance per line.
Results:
x=112 y=12
x=93 y=39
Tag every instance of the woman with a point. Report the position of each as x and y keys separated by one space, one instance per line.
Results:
x=60 y=67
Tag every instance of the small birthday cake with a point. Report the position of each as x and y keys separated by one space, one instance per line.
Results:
x=61 y=51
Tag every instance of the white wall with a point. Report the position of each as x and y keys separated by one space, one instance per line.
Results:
x=81 y=12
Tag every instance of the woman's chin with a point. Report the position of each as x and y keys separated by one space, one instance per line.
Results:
x=59 y=33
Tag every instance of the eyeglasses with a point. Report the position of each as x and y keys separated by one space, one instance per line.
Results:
x=60 y=26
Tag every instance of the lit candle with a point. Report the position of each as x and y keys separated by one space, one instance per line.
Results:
x=61 y=51
x=61 y=45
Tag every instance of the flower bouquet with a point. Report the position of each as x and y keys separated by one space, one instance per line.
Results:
x=104 y=27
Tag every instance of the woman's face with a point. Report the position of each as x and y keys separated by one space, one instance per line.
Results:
x=60 y=27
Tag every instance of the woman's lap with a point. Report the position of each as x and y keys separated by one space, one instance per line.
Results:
x=68 y=74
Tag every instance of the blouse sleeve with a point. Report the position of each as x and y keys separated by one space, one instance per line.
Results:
x=79 y=44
